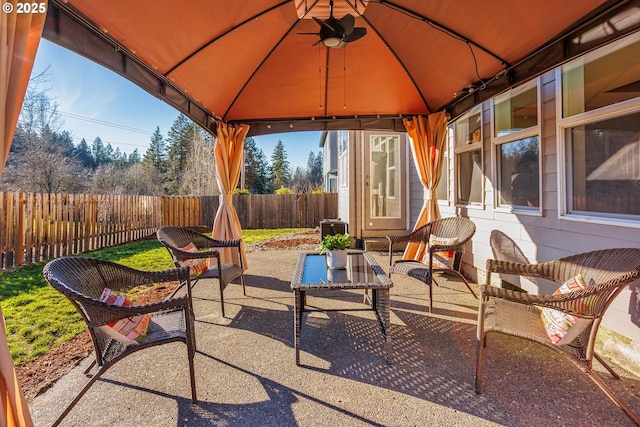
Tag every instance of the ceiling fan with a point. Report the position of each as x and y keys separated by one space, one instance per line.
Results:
x=338 y=33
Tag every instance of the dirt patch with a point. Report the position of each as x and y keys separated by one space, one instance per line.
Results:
x=37 y=376
x=290 y=243
x=299 y=240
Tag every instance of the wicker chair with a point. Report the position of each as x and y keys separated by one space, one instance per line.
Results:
x=176 y=238
x=453 y=227
x=83 y=280
x=505 y=249
x=606 y=272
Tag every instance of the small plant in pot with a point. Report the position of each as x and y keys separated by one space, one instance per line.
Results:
x=335 y=246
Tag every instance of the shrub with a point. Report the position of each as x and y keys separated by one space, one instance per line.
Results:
x=243 y=192
x=320 y=191
x=283 y=190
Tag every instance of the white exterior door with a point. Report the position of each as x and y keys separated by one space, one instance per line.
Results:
x=384 y=183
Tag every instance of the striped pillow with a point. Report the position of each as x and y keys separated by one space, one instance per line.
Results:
x=196 y=266
x=441 y=259
x=131 y=330
x=563 y=328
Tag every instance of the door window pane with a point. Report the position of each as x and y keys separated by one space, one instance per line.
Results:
x=604 y=166
x=518 y=163
x=384 y=194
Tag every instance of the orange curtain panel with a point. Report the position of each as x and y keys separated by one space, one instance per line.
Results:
x=19 y=39
x=428 y=142
x=229 y=151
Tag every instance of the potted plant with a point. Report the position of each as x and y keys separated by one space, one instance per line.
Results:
x=335 y=246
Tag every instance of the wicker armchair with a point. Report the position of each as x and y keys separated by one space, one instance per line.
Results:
x=175 y=239
x=83 y=280
x=505 y=249
x=462 y=229
x=606 y=273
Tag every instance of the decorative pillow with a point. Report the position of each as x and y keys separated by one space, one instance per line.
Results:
x=131 y=330
x=441 y=259
x=197 y=266
x=563 y=328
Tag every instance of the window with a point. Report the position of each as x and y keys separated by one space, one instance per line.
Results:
x=343 y=158
x=515 y=136
x=606 y=77
x=333 y=184
x=468 y=155
x=604 y=167
x=518 y=163
x=600 y=129
x=515 y=110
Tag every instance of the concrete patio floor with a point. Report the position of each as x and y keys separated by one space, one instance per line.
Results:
x=247 y=376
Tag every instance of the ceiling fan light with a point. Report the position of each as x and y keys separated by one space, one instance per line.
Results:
x=331 y=41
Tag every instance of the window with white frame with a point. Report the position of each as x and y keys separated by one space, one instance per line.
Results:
x=468 y=157
x=343 y=158
x=516 y=133
x=600 y=127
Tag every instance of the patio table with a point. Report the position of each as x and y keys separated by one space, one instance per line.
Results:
x=362 y=272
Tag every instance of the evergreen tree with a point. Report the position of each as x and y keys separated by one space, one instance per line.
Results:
x=156 y=154
x=134 y=158
x=99 y=152
x=256 y=168
x=64 y=140
x=82 y=153
x=180 y=137
x=119 y=159
x=314 y=171
x=110 y=154
x=280 y=167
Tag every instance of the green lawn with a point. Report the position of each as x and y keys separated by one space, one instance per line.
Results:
x=39 y=318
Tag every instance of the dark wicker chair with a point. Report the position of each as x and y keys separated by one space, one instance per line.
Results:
x=606 y=272
x=82 y=281
x=452 y=227
x=175 y=238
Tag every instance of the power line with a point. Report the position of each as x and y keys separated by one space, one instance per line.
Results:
x=104 y=123
x=112 y=143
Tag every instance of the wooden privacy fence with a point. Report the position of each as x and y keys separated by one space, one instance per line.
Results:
x=254 y=210
x=37 y=227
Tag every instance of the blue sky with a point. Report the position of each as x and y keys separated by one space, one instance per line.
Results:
x=94 y=101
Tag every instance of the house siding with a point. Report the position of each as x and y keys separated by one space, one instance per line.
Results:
x=545 y=236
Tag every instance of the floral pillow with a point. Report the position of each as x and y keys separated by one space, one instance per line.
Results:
x=197 y=266
x=563 y=328
x=132 y=330
x=441 y=259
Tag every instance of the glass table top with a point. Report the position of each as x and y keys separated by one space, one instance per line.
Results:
x=361 y=269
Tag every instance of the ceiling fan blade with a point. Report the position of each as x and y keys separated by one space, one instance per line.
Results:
x=316 y=43
x=356 y=34
x=347 y=22
x=323 y=24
